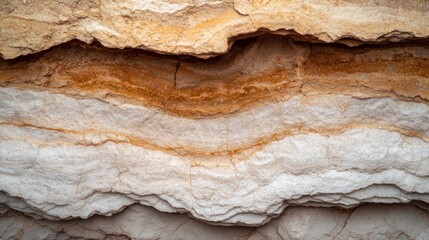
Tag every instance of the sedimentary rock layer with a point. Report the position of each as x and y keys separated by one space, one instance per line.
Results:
x=230 y=140
x=311 y=117
x=138 y=222
x=203 y=28
x=256 y=71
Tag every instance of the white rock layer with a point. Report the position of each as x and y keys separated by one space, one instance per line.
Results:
x=61 y=171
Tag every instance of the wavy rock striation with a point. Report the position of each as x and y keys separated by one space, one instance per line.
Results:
x=302 y=127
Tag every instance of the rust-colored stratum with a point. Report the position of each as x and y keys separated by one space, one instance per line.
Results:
x=256 y=71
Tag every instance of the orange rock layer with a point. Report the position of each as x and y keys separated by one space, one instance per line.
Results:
x=268 y=68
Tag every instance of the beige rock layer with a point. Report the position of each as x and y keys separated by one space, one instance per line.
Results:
x=202 y=28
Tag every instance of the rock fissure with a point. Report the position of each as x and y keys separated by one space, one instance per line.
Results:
x=175 y=73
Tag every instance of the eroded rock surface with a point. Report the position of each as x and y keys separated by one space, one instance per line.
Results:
x=139 y=222
x=230 y=140
x=202 y=28
x=319 y=134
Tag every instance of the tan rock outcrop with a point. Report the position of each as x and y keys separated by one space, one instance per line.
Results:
x=308 y=117
x=203 y=28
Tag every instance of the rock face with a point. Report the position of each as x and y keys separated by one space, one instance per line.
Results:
x=314 y=124
x=139 y=222
x=203 y=27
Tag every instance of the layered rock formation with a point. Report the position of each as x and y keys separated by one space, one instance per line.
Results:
x=306 y=123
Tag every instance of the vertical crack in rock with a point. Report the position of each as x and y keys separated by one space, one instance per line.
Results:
x=175 y=73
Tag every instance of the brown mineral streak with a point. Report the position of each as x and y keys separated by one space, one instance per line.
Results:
x=256 y=71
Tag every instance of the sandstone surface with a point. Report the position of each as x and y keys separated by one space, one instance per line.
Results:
x=204 y=27
x=214 y=119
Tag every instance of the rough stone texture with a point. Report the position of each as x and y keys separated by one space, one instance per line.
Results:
x=114 y=128
x=202 y=27
x=139 y=222
x=303 y=133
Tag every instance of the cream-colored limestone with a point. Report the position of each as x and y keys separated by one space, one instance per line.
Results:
x=99 y=169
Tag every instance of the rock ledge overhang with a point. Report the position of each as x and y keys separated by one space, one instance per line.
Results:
x=203 y=28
